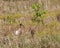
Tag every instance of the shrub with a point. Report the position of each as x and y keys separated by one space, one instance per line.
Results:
x=38 y=12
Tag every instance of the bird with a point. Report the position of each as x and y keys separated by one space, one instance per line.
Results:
x=58 y=17
x=19 y=30
x=32 y=31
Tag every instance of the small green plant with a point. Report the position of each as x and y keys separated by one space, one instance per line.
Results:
x=38 y=13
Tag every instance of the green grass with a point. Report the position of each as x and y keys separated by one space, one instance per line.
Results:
x=10 y=15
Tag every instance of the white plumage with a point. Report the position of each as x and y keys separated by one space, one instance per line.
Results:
x=17 y=32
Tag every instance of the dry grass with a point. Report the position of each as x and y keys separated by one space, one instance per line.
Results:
x=45 y=36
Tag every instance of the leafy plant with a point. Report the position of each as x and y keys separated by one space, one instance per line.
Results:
x=38 y=13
